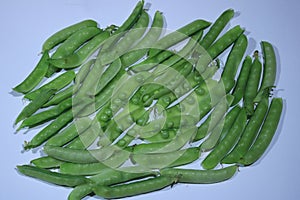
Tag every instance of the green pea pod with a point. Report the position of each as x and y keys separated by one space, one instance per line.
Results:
x=265 y=134
x=200 y=176
x=216 y=28
x=269 y=71
x=132 y=189
x=35 y=77
x=82 y=54
x=63 y=34
x=249 y=134
x=36 y=104
x=52 y=177
x=57 y=84
x=225 y=145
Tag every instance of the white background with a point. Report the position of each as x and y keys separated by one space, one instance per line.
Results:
x=26 y=24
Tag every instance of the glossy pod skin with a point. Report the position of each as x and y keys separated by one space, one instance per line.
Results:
x=52 y=177
x=233 y=61
x=47 y=115
x=239 y=89
x=265 y=134
x=57 y=84
x=200 y=176
x=178 y=35
x=216 y=28
x=49 y=130
x=252 y=85
x=269 y=70
x=249 y=134
x=63 y=34
x=35 y=77
x=35 y=105
x=219 y=152
x=135 y=188
x=220 y=130
x=79 y=57
x=224 y=42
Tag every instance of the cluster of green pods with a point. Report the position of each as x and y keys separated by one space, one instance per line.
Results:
x=124 y=109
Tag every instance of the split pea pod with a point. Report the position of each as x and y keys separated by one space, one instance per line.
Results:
x=35 y=77
x=265 y=134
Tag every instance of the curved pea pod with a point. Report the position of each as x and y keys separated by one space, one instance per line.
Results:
x=135 y=188
x=239 y=89
x=35 y=77
x=252 y=85
x=225 y=145
x=269 y=70
x=63 y=34
x=78 y=155
x=249 y=134
x=80 y=56
x=129 y=22
x=233 y=61
x=200 y=176
x=52 y=177
x=214 y=117
x=220 y=130
x=143 y=45
x=170 y=159
x=46 y=162
x=49 y=130
x=265 y=134
x=57 y=84
x=178 y=36
x=216 y=28
x=36 y=104
x=47 y=115
x=224 y=41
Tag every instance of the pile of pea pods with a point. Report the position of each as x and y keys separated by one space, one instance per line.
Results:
x=132 y=109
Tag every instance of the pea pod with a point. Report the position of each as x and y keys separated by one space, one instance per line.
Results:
x=63 y=34
x=35 y=77
x=269 y=70
x=239 y=89
x=219 y=152
x=132 y=189
x=57 y=84
x=249 y=134
x=265 y=134
x=52 y=177
x=80 y=56
x=33 y=106
x=200 y=176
